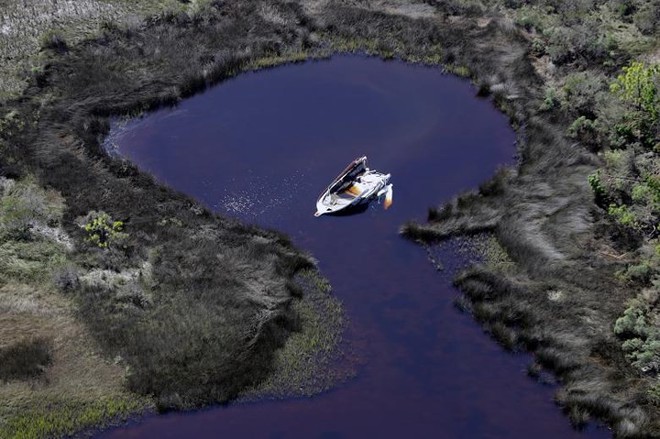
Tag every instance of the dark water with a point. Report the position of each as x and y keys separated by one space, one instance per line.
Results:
x=261 y=147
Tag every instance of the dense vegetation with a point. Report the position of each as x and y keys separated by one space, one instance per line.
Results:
x=579 y=217
x=189 y=308
x=186 y=307
x=51 y=380
x=608 y=86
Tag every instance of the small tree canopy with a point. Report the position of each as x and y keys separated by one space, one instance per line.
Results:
x=639 y=85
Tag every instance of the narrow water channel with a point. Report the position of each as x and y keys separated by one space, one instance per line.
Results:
x=260 y=148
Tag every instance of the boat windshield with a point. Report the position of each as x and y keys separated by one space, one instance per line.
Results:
x=346 y=178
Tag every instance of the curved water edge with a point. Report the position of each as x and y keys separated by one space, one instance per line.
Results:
x=260 y=147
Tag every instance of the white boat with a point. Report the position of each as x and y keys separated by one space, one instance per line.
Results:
x=355 y=186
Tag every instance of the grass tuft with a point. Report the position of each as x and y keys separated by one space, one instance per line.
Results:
x=25 y=359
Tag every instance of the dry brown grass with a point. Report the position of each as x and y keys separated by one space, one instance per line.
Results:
x=29 y=312
x=78 y=373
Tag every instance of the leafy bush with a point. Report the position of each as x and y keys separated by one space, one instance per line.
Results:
x=639 y=329
x=647 y=17
x=640 y=192
x=623 y=215
x=102 y=230
x=653 y=184
x=653 y=394
x=580 y=93
x=638 y=87
x=586 y=131
x=639 y=273
x=550 y=99
x=597 y=187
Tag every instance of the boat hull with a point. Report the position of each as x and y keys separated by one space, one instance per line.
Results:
x=367 y=187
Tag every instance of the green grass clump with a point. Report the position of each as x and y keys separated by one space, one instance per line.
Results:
x=310 y=360
x=31 y=262
x=58 y=418
x=275 y=60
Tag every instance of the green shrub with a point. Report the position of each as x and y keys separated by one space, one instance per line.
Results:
x=640 y=333
x=623 y=215
x=597 y=187
x=638 y=87
x=639 y=273
x=580 y=93
x=653 y=184
x=653 y=394
x=550 y=99
x=633 y=322
x=586 y=131
x=11 y=123
x=102 y=230
x=534 y=17
x=640 y=192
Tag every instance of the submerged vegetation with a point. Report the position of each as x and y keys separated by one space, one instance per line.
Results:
x=161 y=303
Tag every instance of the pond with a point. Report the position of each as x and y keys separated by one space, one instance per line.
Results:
x=261 y=147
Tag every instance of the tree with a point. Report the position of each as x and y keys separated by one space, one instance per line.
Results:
x=639 y=86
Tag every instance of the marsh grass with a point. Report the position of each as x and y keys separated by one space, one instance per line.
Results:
x=207 y=320
x=533 y=292
x=312 y=358
x=66 y=417
x=29 y=27
x=278 y=60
